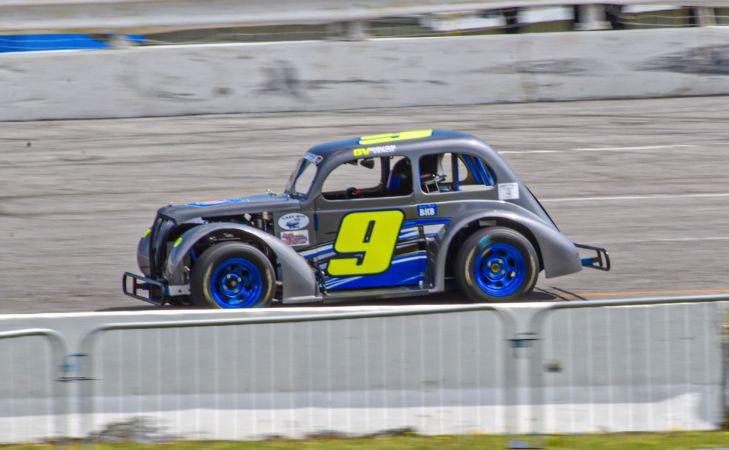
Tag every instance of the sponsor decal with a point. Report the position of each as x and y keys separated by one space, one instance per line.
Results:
x=313 y=158
x=508 y=191
x=427 y=210
x=373 y=151
x=293 y=221
x=293 y=238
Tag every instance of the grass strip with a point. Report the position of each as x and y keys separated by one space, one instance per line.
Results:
x=626 y=441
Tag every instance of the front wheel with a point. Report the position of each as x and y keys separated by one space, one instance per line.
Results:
x=495 y=265
x=232 y=275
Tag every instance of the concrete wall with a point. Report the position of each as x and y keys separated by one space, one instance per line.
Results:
x=378 y=73
x=619 y=369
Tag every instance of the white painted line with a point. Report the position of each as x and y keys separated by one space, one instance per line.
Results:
x=519 y=152
x=629 y=149
x=633 y=197
x=597 y=149
x=678 y=239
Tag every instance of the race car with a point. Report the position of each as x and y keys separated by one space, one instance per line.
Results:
x=378 y=216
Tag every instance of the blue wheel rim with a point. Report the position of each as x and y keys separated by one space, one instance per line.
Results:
x=499 y=269
x=237 y=283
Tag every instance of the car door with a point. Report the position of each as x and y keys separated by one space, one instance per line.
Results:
x=366 y=227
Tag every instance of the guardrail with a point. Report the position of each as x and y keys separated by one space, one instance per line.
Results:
x=144 y=16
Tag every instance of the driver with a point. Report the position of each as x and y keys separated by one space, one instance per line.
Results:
x=431 y=172
x=401 y=179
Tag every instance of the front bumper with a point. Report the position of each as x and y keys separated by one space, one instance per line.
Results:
x=155 y=290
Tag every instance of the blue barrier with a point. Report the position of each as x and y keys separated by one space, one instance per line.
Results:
x=45 y=42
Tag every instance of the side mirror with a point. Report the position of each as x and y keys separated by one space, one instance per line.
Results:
x=367 y=162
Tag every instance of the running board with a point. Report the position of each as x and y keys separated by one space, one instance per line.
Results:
x=373 y=294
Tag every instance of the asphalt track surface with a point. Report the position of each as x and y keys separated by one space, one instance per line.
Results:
x=648 y=179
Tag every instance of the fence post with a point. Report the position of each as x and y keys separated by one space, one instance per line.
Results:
x=520 y=342
x=58 y=388
x=536 y=376
x=511 y=370
x=725 y=373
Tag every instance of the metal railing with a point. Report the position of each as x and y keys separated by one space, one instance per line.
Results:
x=146 y=16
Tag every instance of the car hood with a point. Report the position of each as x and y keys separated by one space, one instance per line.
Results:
x=230 y=207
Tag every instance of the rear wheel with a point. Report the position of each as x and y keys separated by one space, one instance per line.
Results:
x=232 y=275
x=496 y=264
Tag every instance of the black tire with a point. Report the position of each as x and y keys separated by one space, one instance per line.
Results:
x=224 y=267
x=496 y=264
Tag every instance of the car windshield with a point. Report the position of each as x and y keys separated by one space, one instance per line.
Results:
x=301 y=179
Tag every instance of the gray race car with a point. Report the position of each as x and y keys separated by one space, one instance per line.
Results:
x=384 y=215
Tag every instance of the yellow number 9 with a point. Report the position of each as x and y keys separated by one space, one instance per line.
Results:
x=371 y=237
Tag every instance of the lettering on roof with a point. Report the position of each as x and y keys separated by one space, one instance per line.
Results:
x=374 y=151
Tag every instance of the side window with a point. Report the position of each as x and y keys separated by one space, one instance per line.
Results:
x=301 y=178
x=475 y=175
x=454 y=172
x=436 y=173
x=369 y=178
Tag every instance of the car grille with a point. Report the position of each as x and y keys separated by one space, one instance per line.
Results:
x=158 y=249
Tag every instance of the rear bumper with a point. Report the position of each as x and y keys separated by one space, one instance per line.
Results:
x=145 y=289
x=600 y=260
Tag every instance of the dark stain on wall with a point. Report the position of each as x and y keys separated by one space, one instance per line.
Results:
x=283 y=78
x=564 y=66
x=709 y=60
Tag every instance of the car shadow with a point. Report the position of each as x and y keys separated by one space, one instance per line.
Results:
x=447 y=298
x=551 y=294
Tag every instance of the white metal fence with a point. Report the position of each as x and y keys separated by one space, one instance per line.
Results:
x=627 y=365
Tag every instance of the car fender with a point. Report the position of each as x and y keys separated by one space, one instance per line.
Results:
x=559 y=255
x=299 y=282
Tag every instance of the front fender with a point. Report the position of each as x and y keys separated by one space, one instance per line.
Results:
x=299 y=281
x=559 y=254
x=143 y=255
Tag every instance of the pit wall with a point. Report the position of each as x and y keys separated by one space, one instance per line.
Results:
x=333 y=75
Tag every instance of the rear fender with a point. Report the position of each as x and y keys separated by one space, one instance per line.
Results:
x=299 y=283
x=559 y=255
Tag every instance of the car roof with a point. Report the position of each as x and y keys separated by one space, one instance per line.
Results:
x=332 y=148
